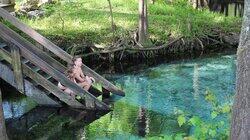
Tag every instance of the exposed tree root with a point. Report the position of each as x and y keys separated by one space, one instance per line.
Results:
x=128 y=46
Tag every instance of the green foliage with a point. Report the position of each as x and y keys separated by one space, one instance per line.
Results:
x=206 y=129
x=88 y=20
x=181 y=120
x=195 y=121
x=214 y=114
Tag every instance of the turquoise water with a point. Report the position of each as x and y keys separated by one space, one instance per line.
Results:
x=162 y=90
x=153 y=96
x=15 y=107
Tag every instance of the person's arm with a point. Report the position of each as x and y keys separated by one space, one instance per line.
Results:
x=81 y=74
x=79 y=78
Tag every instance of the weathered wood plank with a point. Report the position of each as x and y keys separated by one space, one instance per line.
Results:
x=8 y=7
x=105 y=83
x=47 y=84
x=5 y=56
x=2 y=45
x=36 y=50
x=58 y=65
x=89 y=102
x=3 y=134
x=47 y=77
x=25 y=61
x=34 y=35
x=58 y=51
x=48 y=68
x=17 y=68
x=52 y=88
x=31 y=91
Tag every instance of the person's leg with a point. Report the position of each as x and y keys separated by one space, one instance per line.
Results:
x=84 y=85
x=88 y=79
x=61 y=86
x=70 y=92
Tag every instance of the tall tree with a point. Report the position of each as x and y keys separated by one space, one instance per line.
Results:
x=143 y=21
x=240 y=125
x=3 y=134
x=112 y=18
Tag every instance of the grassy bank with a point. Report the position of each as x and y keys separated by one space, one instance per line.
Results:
x=88 y=20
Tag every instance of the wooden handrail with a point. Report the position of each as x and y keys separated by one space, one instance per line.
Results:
x=9 y=37
x=44 y=82
x=34 y=35
x=58 y=51
x=51 y=60
x=44 y=56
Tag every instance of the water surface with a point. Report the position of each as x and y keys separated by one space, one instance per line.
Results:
x=149 y=109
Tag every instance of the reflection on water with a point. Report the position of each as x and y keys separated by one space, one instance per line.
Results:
x=14 y=104
x=153 y=96
x=148 y=110
x=50 y=123
x=16 y=107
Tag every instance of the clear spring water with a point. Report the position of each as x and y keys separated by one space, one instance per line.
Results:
x=152 y=97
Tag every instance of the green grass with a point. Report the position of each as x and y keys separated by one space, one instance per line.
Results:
x=88 y=20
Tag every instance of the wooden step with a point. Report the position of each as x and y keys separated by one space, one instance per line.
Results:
x=25 y=61
x=3 y=45
x=47 y=77
x=44 y=83
x=36 y=69
x=52 y=67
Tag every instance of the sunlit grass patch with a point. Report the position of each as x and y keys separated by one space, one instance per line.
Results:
x=91 y=19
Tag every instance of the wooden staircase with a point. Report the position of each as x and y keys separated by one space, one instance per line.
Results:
x=8 y=6
x=30 y=63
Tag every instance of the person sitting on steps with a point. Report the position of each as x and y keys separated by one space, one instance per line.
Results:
x=75 y=74
x=70 y=75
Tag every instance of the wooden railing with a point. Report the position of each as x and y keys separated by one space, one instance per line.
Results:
x=26 y=50
x=21 y=47
x=58 y=51
x=43 y=82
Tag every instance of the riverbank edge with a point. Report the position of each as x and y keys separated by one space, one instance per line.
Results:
x=119 y=53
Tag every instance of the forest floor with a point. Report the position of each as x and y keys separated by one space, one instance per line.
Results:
x=84 y=27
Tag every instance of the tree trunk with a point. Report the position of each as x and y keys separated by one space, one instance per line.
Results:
x=240 y=125
x=3 y=134
x=112 y=20
x=199 y=4
x=143 y=21
x=193 y=3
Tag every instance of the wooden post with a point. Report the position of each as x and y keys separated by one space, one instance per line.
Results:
x=3 y=134
x=17 y=68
